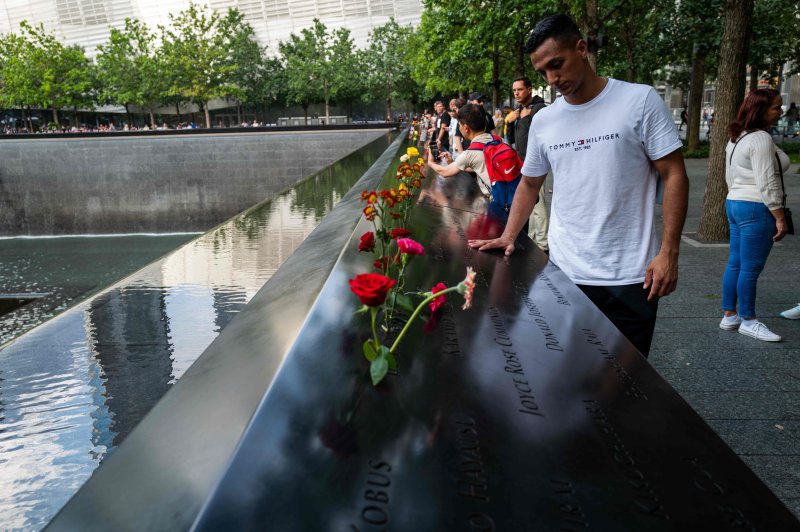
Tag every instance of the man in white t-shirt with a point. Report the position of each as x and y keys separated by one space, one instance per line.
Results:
x=606 y=142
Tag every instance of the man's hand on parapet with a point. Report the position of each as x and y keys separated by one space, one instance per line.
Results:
x=505 y=243
x=661 y=276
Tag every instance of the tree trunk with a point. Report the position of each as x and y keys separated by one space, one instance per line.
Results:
x=239 y=114
x=519 y=57
x=730 y=91
x=207 y=115
x=590 y=30
x=55 y=115
x=128 y=114
x=388 y=109
x=75 y=117
x=305 y=112
x=178 y=111
x=696 y=97
x=152 y=118
x=754 y=70
x=495 y=78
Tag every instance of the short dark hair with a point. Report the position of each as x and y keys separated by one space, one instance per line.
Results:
x=525 y=81
x=559 y=27
x=472 y=116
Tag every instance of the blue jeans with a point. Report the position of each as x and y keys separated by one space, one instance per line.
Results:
x=752 y=228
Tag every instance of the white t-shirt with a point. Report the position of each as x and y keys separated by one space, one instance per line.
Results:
x=602 y=226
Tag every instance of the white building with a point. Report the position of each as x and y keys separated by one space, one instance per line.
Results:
x=87 y=22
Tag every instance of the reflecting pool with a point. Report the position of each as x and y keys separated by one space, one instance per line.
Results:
x=74 y=387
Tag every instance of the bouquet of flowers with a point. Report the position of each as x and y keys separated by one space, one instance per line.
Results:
x=382 y=292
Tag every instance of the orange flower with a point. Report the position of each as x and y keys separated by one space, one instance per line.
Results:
x=370 y=212
x=416 y=182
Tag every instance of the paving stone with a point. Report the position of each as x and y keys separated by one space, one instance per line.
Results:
x=745 y=405
x=758 y=436
x=731 y=379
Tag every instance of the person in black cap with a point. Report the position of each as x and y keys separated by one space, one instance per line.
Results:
x=478 y=98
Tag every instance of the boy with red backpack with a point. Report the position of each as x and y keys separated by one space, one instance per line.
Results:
x=496 y=164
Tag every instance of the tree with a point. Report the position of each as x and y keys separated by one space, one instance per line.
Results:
x=130 y=69
x=775 y=38
x=41 y=72
x=695 y=30
x=388 y=64
x=197 y=58
x=245 y=57
x=730 y=92
x=347 y=87
x=310 y=63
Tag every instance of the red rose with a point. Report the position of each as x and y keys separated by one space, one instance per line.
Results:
x=371 y=288
x=410 y=247
x=399 y=233
x=367 y=242
x=437 y=302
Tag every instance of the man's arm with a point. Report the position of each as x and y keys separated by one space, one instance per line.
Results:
x=445 y=171
x=525 y=198
x=662 y=273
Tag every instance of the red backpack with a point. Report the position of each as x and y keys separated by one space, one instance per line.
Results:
x=502 y=162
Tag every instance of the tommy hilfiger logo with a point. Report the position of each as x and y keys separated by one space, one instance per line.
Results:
x=583 y=144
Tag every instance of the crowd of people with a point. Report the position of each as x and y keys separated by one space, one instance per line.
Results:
x=612 y=148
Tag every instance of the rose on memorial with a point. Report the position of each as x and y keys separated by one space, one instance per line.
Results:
x=382 y=358
x=382 y=293
x=399 y=232
x=371 y=288
x=367 y=242
x=438 y=302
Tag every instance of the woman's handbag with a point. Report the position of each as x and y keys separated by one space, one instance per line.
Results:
x=787 y=212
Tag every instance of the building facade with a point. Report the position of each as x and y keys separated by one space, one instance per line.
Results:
x=88 y=22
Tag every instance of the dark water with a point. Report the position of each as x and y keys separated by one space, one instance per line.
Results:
x=62 y=271
x=72 y=388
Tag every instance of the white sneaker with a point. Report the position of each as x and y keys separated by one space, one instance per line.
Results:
x=730 y=323
x=759 y=331
x=792 y=313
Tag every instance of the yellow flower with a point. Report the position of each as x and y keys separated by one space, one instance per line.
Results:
x=412 y=152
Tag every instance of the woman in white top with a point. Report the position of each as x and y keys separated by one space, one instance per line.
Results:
x=754 y=206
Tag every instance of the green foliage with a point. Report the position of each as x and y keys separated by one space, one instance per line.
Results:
x=197 y=51
x=700 y=153
x=38 y=71
x=130 y=68
x=776 y=38
x=319 y=66
x=387 y=63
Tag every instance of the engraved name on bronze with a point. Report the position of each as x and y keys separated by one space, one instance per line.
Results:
x=550 y=339
x=471 y=476
x=375 y=503
x=512 y=365
x=572 y=518
x=631 y=388
x=560 y=298
x=451 y=346
x=645 y=501
x=704 y=481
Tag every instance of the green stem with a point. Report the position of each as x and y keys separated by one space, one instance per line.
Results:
x=417 y=311
x=374 y=312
